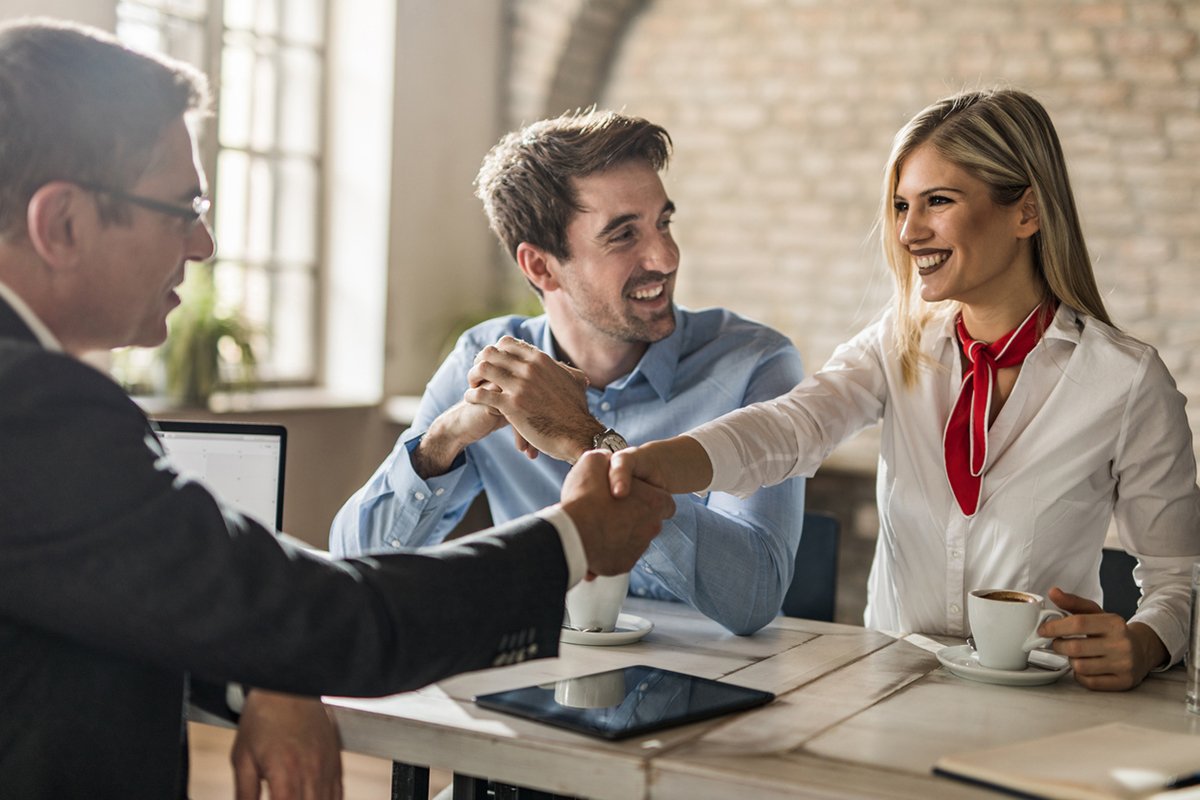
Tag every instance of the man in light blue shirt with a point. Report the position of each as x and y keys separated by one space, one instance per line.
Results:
x=578 y=203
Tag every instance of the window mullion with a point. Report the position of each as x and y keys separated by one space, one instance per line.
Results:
x=274 y=265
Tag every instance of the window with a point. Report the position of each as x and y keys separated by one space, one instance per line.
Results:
x=264 y=154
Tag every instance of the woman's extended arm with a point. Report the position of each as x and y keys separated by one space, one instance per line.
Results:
x=679 y=465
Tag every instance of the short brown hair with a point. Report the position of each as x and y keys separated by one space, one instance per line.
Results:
x=77 y=105
x=525 y=182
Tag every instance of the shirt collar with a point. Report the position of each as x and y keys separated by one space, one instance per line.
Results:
x=1066 y=325
x=661 y=359
x=657 y=365
x=47 y=339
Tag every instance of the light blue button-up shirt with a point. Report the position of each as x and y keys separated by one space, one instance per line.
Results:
x=731 y=559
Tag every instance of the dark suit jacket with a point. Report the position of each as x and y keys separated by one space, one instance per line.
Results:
x=117 y=578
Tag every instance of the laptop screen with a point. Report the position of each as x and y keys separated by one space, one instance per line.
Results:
x=241 y=463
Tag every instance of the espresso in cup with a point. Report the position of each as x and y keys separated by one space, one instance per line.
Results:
x=1004 y=625
x=1007 y=596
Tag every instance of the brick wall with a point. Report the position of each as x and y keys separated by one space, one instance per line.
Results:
x=560 y=52
x=782 y=112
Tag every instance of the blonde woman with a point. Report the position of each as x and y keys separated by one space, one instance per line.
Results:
x=1017 y=421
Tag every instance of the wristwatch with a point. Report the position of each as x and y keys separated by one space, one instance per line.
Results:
x=609 y=440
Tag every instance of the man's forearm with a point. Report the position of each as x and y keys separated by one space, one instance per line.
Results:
x=700 y=541
x=435 y=452
x=576 y=440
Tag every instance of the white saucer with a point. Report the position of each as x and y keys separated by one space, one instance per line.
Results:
x=629 y=629
x=1044 y=667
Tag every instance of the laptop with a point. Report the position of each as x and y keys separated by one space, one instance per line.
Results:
x=241 y=463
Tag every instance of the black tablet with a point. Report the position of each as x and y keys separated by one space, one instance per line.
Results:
x=625 y=702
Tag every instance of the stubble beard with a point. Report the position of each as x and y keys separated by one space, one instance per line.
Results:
x=635 y=330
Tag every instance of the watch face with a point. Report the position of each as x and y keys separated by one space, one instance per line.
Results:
x=611 y=441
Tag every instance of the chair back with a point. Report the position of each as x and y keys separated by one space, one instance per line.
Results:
x=813 y=590
x=1121 y=594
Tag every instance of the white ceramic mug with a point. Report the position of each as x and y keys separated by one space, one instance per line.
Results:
x=595 y=604
x=591 y=691
x=1004 y=624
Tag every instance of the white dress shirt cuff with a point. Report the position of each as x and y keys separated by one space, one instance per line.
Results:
x=572 y=545
x=235 y=697
x=722 y=460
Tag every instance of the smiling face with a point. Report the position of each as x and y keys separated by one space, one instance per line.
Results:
x=963 y=245
x=619 y=282
x=134 y=268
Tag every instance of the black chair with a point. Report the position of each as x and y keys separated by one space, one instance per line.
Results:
x=1121 y=594
x=813 y=591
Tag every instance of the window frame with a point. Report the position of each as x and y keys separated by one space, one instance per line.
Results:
x=211 y=24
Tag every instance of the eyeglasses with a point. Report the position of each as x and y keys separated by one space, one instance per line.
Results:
x=191 y=215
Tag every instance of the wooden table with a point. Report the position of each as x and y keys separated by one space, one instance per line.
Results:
x=859 y=713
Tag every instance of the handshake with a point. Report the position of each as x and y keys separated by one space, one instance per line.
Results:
x=614 y=531
x=618 y=501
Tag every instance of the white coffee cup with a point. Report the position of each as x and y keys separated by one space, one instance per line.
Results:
x=595 y=604
x=591 y=691
x=1004 y=624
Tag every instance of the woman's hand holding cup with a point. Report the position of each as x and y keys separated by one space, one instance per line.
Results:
x=1106 y=653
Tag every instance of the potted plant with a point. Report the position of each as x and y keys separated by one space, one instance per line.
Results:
x=206 y=348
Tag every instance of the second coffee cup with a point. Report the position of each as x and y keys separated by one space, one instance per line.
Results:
x=1004 y=624
x=595 y=605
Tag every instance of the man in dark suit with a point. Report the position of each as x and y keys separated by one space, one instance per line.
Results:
x=119 y=579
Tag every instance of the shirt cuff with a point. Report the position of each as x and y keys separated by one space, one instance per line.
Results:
x=235 y=697
x=1162 y=624
x=715 y=458
x=572 y=545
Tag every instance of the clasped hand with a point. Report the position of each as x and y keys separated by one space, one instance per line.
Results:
x=544 y=400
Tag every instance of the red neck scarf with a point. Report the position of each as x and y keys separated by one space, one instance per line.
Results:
x=965 y=441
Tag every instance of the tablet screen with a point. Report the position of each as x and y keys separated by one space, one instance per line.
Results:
x=625 y=702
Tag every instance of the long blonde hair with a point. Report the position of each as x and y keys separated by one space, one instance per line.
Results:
x=1004 y=138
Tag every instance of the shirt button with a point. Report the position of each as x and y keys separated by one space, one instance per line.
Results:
x=440 y=492
x=606 y=406
x=394 y=542
x=956 y=553
x=954 y=608
x=419 y=495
